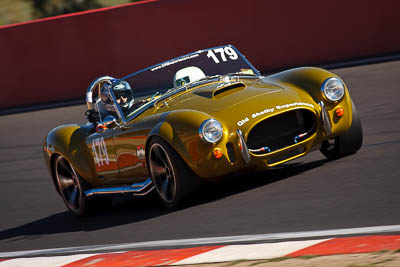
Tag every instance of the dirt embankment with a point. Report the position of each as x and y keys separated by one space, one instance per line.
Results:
x=381 y=259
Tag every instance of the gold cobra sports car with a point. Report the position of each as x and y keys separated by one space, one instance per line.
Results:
x=172 y=126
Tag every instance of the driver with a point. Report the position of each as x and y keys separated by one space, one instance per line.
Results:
x=123 y=97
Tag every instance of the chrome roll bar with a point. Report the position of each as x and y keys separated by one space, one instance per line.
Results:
x=95 y=85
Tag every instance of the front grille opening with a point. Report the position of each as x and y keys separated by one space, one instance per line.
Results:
x=281 y=131
x=231 y=152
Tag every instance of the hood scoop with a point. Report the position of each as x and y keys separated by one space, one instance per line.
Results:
x=222 y=90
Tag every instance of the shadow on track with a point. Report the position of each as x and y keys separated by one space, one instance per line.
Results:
x=125 y=210
x=239 y=183
x=128 y=210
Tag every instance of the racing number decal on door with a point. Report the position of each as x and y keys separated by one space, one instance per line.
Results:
x=222 y=51
x=140 y=153
x=100 y=153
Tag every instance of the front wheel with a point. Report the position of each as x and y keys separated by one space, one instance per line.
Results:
x=348 y=143
x=172 y=178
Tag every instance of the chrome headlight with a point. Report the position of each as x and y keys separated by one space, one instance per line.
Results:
x=333 y=89
x=210 y=131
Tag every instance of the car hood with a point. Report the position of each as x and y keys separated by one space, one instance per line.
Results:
x=238 y=102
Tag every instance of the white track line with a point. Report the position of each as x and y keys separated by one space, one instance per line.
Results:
x=249 y=252
x=44 y=261
x=205 y=241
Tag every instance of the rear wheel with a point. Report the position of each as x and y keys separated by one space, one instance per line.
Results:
x=348 y=143
x=71 y=187
x=172 y=178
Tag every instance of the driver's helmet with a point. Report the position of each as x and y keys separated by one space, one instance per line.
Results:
x=122 y=92
x=188 y=75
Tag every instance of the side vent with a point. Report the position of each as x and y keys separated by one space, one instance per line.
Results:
x=227 y=90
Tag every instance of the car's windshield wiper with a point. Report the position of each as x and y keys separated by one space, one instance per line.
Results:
x=243 y=74
x=203 y=80
x=154 y=95
x=208 y=78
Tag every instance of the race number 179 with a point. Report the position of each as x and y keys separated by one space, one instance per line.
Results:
x=222 y=53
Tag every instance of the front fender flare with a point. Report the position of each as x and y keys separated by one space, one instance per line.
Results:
x=180 y=130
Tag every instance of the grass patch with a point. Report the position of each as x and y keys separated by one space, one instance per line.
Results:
x=235 y=262
x=370 y=265
x=380 y=262
x=381 y=251
x=279 y=259
x=307 y=257
x=258 y=262
x=270 y=260
x=356 y=265
x=397 y=251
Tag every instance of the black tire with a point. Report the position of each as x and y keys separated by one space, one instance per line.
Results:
x=348 y=143
x=71 y=187
x=172 y=178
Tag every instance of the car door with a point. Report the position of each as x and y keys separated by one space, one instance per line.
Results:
x=101 y=146
x=130 y=152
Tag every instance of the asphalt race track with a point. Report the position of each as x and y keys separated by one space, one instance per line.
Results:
x=311 y=193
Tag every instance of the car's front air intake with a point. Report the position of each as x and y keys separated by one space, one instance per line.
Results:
x=281 y=131
x=229 y=89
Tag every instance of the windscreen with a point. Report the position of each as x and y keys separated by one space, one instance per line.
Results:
x=189 y=68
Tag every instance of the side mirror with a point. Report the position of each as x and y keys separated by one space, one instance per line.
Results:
x=109 y=121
